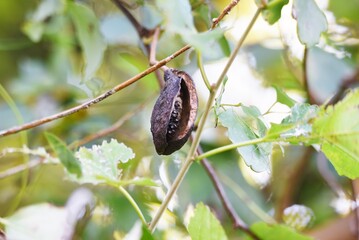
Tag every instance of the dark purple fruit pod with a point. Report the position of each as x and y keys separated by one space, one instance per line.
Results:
x=174 y=113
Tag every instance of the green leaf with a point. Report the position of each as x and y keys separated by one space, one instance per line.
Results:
x=99 y=163
x=338 y=128
x=255 y=115
x=295 y=128
x=311 y=21
x=88 y=34
x=276 y=232
x=255 y=156
x=35 y=26
x=146 y=234
x=283 y=98
x=66 y=156
x=272 y=11
x=204 y=225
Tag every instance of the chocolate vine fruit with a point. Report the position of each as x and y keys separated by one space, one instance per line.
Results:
x=174 y=112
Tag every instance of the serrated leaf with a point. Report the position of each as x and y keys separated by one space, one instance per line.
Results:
x=257 y=157
x=283 y=98
x=204 y=225
x=272 y=11
x=99 y=163
x=276 y=232
x=311 y=21
x=338 y=128
x=35 y=26
x=88 y=34
x=65 y=155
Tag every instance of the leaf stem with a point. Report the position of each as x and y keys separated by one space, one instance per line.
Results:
x=192 y=151
x=232 y=146
x=134 y=205
x=201 y=69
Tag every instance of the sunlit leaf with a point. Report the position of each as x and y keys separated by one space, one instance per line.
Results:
x=283 y=98
x=99 y=163
x=338 y=128
x=257 y=157
x=204 y=225
x=272 y=11
x=65 y=155
x=296 y=127
x=88 y=34
x=311 y=21
x=276 y=232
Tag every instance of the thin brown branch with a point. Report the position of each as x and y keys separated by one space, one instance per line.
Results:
x=346 y=84
x=114 y=127
x=95 y=100
x=20 y=168
x=142 y=31
x=152 y=56
x=238 y=223
x=225 y=12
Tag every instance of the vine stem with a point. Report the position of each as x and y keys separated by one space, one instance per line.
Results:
x=190 y=156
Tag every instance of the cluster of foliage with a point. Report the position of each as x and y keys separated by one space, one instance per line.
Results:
x=94 y=173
